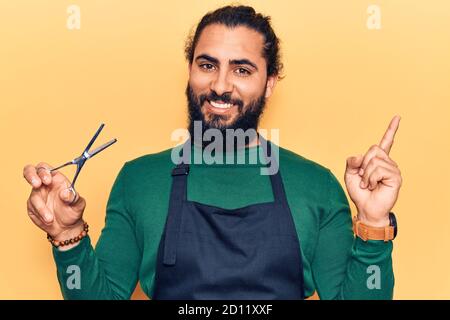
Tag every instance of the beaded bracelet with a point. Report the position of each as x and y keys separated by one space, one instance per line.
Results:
x=57 y=243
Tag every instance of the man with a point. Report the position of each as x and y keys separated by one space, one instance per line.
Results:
x=226 y=231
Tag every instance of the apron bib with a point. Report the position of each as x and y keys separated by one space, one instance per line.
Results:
x=209 y=253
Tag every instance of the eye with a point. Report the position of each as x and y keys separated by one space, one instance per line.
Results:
x=207 y=66
x=242 y=72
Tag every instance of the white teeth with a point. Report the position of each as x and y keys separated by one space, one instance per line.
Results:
x=221 y=105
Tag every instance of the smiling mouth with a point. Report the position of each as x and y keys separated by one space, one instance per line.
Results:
x=219 y=107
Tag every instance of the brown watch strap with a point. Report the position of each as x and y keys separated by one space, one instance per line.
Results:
x=366 y=232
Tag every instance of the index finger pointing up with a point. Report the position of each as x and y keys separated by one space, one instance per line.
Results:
x=388 y=138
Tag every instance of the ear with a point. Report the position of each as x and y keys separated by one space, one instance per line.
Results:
x=189 y=68
x=270 y=86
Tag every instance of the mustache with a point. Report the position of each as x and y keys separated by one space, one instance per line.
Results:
x=225 y=98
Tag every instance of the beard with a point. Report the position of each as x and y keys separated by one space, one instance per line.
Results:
x=248 y=117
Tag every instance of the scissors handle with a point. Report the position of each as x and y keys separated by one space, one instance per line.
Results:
x=80 y=165
x=62 y=166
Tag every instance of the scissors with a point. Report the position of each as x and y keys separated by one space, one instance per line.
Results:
x=81 y=160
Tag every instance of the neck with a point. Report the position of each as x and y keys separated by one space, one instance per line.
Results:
x=254 y=142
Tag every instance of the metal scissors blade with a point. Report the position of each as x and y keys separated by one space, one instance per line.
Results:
x=101 y=148
x=94 y=138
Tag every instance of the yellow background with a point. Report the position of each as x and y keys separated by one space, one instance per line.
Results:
x=125 y=67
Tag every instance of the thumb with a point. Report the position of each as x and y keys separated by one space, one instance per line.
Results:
x=354 y=163
x=70 y=197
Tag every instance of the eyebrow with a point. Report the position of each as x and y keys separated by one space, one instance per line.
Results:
x=233 y=62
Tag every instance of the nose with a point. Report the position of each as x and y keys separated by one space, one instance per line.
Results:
x=221 y=83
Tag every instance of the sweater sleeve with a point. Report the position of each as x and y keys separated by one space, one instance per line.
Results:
x=345 y=267
x=111 y=270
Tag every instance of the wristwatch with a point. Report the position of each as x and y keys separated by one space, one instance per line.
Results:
x=366 y=232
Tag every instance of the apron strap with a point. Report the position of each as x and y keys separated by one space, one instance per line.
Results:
x=275 y=179
x=178 y=194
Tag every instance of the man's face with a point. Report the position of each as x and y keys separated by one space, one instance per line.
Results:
x=228 y=80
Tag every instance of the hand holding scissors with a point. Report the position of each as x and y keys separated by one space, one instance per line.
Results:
x=54 y=205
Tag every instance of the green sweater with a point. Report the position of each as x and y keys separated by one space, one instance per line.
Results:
x=335 y=263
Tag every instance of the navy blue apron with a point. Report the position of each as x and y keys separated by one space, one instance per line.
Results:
x=207 y=252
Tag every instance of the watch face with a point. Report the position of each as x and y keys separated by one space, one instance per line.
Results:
x=393 y=222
